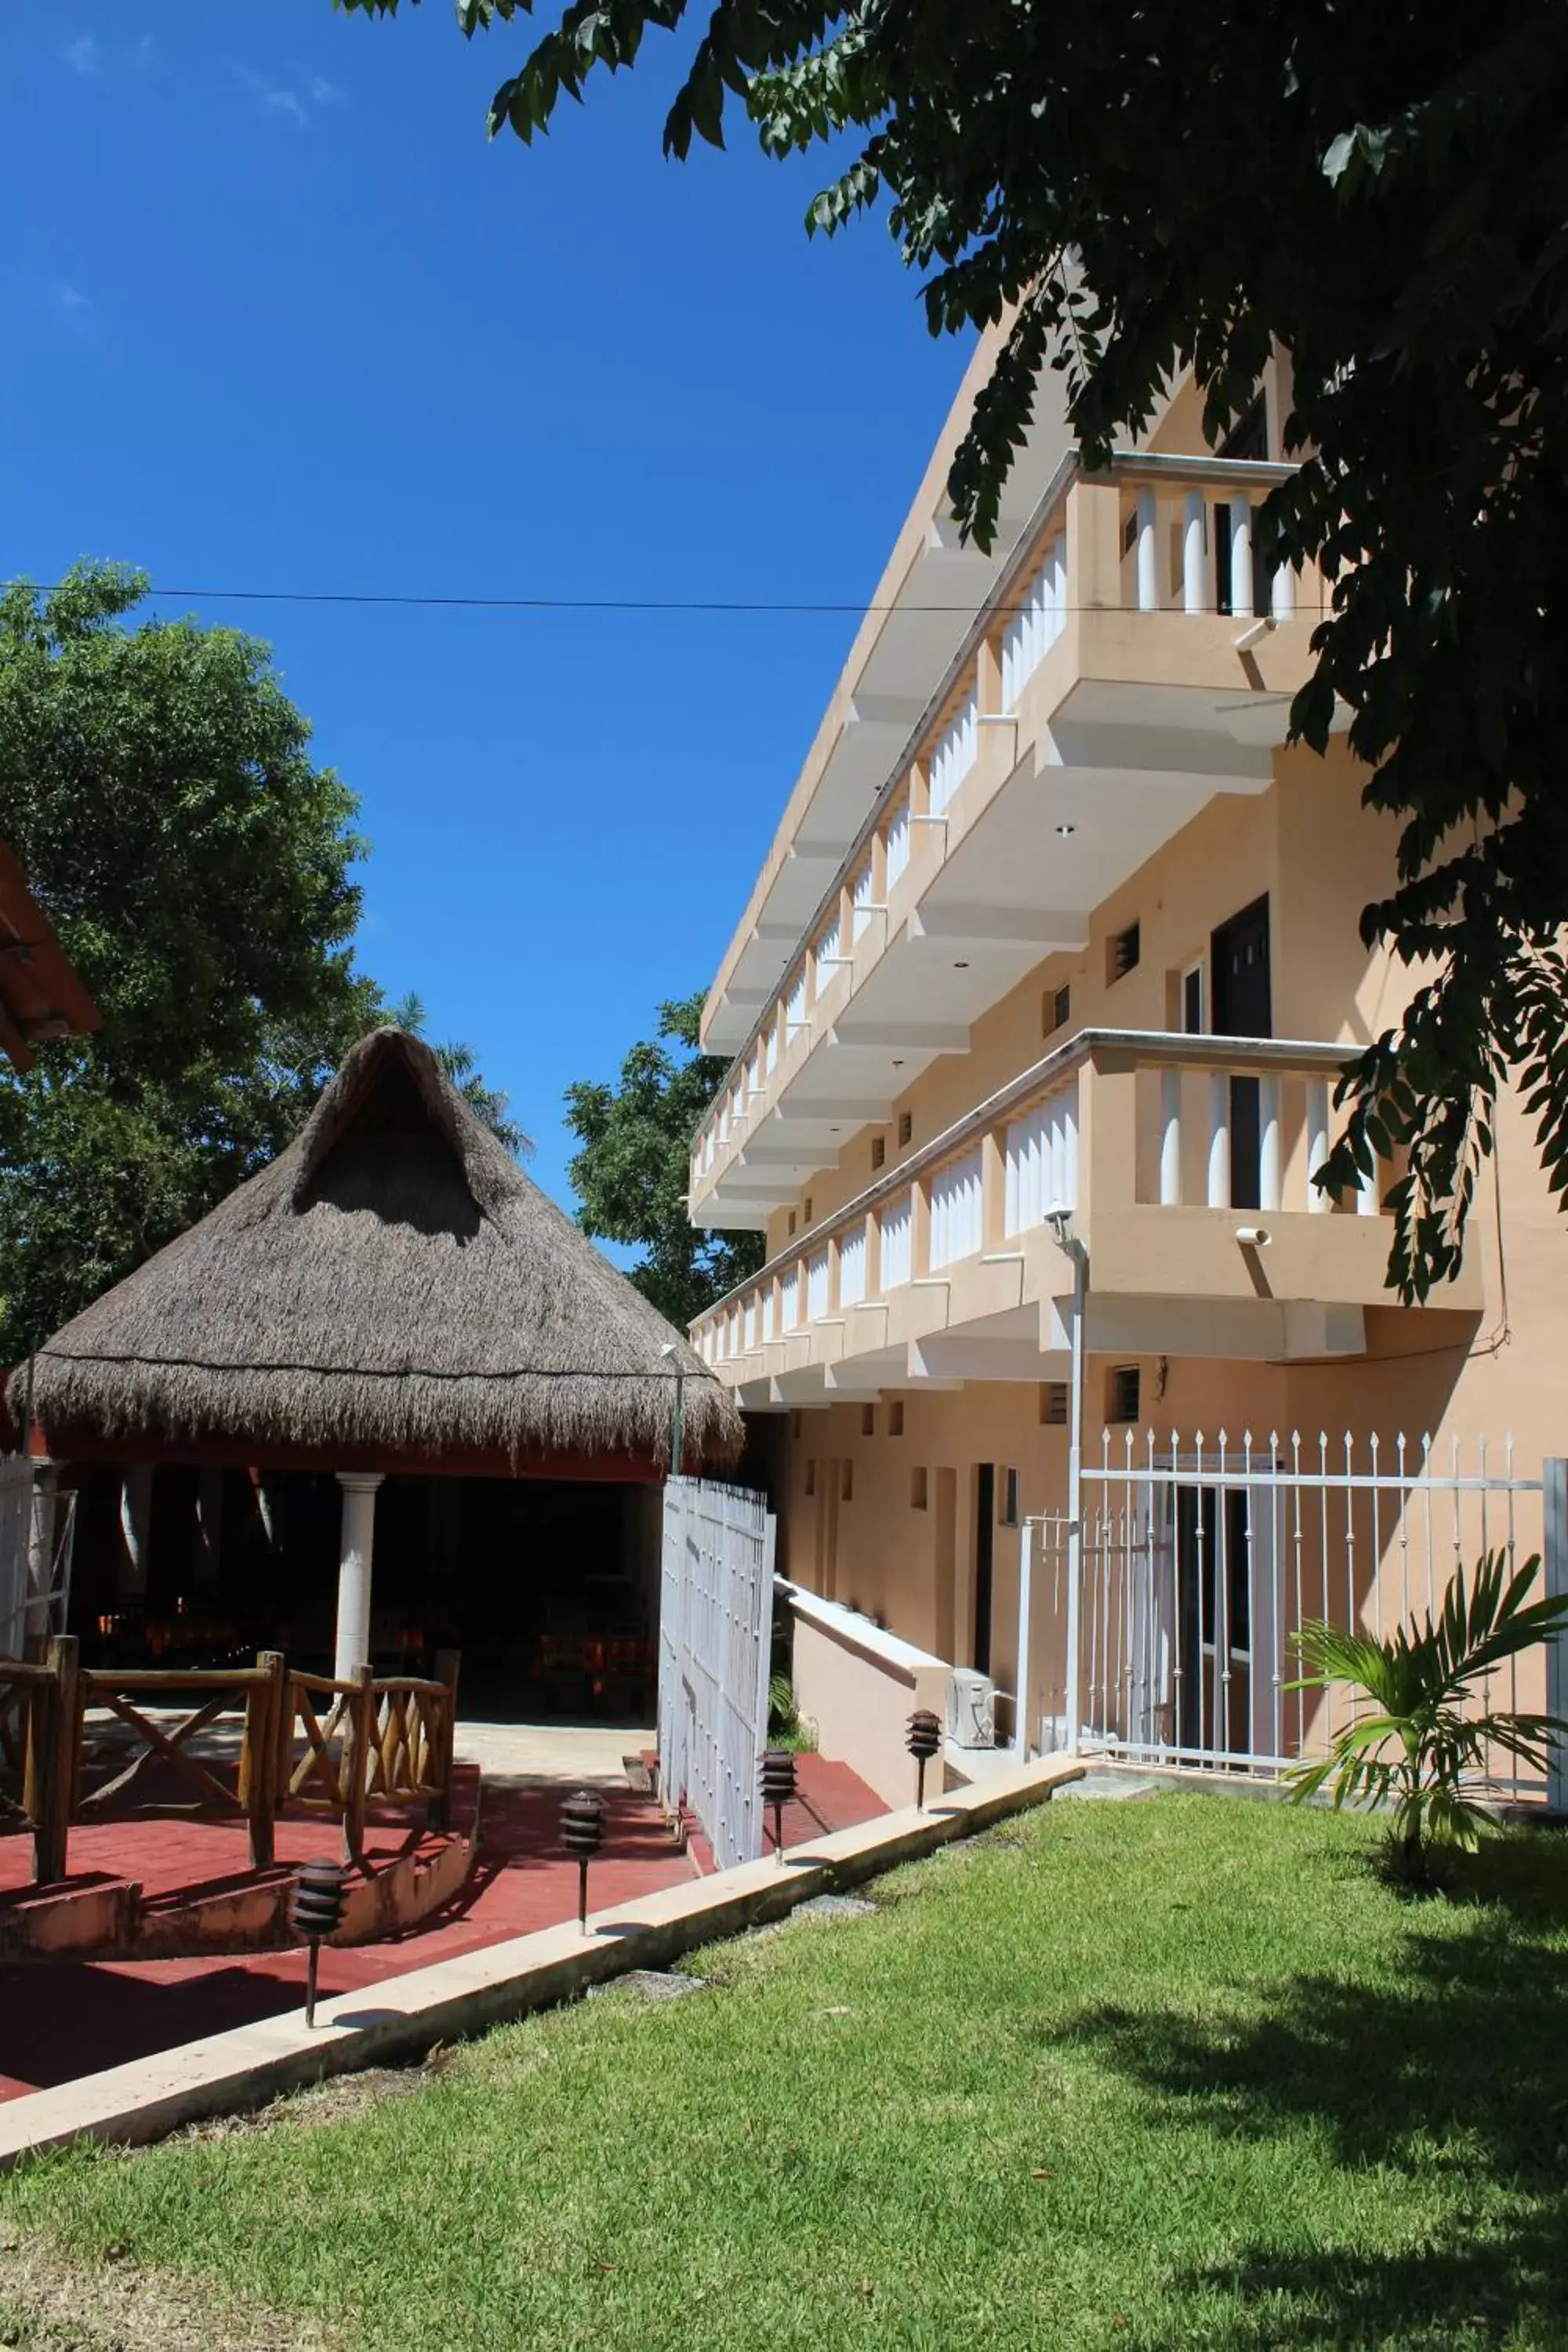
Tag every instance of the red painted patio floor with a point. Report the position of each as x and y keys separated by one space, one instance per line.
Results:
x=62 y=2020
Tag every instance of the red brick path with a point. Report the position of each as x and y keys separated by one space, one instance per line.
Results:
x=60 y=2021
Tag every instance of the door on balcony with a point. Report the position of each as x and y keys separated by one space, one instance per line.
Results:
x=1238 y=969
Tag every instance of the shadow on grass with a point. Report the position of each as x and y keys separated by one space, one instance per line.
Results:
x=1453 y=2071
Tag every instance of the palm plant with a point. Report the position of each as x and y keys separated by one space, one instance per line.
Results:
x=1429 y=1731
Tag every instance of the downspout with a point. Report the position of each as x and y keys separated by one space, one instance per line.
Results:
x=1077 y=1250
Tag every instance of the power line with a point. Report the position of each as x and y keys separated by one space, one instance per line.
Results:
x=696 y=604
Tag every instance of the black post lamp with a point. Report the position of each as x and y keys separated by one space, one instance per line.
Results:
x=316 y=1910
x=778 y=1789
x=924 y=1741
x=582 y=1835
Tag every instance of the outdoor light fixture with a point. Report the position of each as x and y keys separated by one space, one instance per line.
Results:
x=316 y=1910
x=582 y=1835
x=924 y=1741
x=961 y=967
x=777 y=1772
x=1064 y=829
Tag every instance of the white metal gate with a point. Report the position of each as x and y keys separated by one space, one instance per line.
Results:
x=1169 y=1629
x=715 y=1632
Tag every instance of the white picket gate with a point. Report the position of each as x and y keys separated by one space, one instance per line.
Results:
x=715 y=1638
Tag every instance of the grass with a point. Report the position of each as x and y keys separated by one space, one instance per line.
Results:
x=1180 y=2073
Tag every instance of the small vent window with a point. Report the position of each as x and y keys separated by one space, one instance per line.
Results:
x=1125 y=949
x=809 y=1217
x=795 y=1423
x=896 y=1419
x=1055 y=1011
x=878 y=1151
x=906 y=1127
x=846 y=1483
x=790 y=1225
x=811 y=1479
x=1053 y=1404
x=1008 y=1498
x=867 y=1421
x=918 y=1490
x=1122 y=1402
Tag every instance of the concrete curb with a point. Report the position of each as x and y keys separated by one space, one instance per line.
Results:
x=226 y=2073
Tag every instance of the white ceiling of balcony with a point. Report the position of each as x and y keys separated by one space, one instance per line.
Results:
x=898 y=678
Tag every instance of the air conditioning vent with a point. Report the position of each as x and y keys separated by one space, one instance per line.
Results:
x=971 y=1709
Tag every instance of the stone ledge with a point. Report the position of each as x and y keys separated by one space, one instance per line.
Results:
x=449 y=2000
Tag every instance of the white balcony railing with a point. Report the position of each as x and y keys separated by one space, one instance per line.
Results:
x=1156 y=535
x=1175 y=1123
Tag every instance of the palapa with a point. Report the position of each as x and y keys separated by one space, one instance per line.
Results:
x=393 y=1285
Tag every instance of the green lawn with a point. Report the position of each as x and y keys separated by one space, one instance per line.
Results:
x=1166 y=2074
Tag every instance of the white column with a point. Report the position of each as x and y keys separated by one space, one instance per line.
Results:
x=135 y=1527
x=1219 y=1139
x=1366 y=1200
x=1268 y=1143
x=1282 y=593
x=1148 y=552
x=1241 y=553
x=357 y=1554
x=1170 y=1138
x=41 y=1547
x=1318 y=1200
x=1195 y=555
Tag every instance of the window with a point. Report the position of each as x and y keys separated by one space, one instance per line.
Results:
x=1125 y=952
x=896 y=1418
x=918 y=1490
x=846 y=1483
x=1195 y=1020
x=1007 y=1499
x=808 y=1218
x=1053 y=1405
x=879 y=1152
x=867 y=1421
x=906 y=1127
x=811 y=1479
x=1054 y=1010
x=790 y=1227
x=1121 y=1402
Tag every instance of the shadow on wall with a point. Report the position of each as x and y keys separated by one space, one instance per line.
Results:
x=1459 y=2067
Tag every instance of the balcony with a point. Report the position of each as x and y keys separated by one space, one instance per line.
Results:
x=1129 y=666
x=1182 y=1162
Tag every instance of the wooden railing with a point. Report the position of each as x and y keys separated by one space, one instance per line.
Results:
x=386 y=1743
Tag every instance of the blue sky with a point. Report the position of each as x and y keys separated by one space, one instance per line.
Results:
x=279 y=317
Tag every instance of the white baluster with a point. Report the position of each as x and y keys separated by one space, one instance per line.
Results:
x=1148 y=553
x=1268 y=1143
x=1219 y=1139
x=1241 y=553
x=1282 y=593
x=1317 y=1141
x=1170 y=1138
x=1195 y=555
x=1367 y=1203
x=1058 y=584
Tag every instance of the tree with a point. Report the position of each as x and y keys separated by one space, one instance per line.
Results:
x=632 y=1170
x=1379 y=189
x=461 y=1066
x=156 y=785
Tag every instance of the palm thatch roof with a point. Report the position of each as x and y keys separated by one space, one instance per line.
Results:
x=392 y=1285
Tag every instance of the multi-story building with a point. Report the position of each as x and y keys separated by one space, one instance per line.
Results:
x=1035 y=1009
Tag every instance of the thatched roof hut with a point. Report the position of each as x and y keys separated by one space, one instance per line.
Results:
x=392 y=1289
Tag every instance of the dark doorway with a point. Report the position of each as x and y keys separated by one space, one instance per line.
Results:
x=1213 y=1618
x=985 y=1539
x=1238 y=966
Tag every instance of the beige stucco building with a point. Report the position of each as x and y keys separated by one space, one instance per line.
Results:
x=1035 y=1009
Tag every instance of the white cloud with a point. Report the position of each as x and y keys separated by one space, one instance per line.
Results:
x=83 y=55
x=299 y=100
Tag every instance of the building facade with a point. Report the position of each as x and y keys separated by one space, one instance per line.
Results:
x=1036 y=1011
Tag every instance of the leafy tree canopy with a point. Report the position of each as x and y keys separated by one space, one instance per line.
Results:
x=156 y=785
x=1380 y=189
x=631 y=1173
